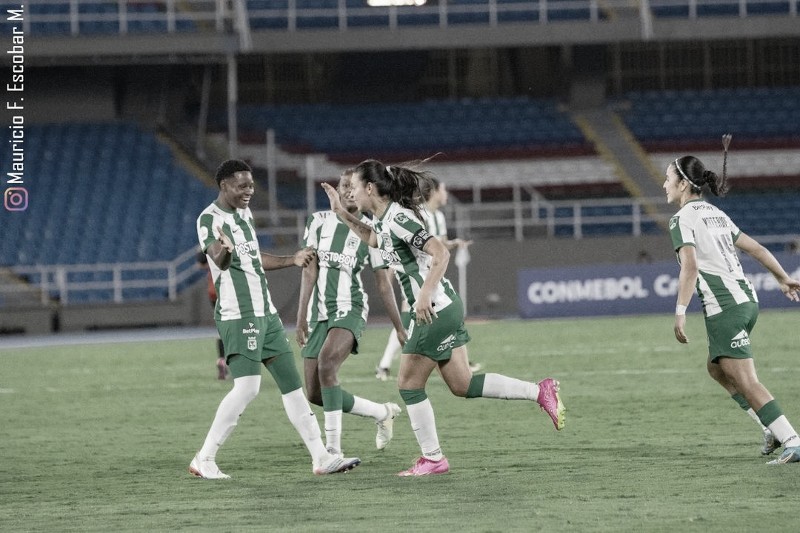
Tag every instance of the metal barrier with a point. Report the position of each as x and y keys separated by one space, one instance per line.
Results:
x=62 y=282
x=517 y=220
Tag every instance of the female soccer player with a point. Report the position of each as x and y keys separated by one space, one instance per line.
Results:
x=434 y=193
x=437 y=337
x=705 y=239
x=248 y=323
x=331 y=316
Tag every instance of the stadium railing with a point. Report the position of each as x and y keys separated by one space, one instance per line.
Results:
x=82 y=17
x=106 y=282
x=520 y=220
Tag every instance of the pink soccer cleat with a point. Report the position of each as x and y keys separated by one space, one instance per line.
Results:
x=550 y=402
x=426 y=467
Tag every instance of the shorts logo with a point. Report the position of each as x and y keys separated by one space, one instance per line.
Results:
x=251 y=343
x=740 y=340
x=447 y=343
x=340 y=314
x=250 y=329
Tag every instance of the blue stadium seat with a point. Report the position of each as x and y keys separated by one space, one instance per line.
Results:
x=491 y=123
x=140 y=206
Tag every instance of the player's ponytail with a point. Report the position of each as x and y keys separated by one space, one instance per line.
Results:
x=692 y=170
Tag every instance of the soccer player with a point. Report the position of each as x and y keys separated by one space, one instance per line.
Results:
x=331 y=316
x=434 y=193
x=251 y=330
x=437 y=338
x=705 y=240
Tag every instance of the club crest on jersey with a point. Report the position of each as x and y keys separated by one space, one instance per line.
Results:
x=251 y=343
x=352 y=242
x=400 y=218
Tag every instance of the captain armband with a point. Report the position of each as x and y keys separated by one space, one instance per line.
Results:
x=420 y=238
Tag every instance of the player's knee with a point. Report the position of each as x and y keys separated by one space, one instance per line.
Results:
x=327 y=368
x=459 y=389
x=247 y=391
x=314 y=397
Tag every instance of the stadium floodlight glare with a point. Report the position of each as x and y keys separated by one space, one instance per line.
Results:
x=388 y=3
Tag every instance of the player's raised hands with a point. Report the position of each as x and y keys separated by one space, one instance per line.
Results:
x=333 y=196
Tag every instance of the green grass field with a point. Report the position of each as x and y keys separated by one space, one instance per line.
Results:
x=98 y=438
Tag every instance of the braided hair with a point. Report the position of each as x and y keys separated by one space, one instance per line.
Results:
x=692 y=170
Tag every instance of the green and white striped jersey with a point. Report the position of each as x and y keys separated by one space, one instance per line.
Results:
x=435 y=223
x=241 y=289
x=342 y=256
x=721 y=283
x=401 y=237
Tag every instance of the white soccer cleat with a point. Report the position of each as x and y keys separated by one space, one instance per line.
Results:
x=789 y=455
x=386 y=426
x=770 y=443
x=336 y=464
x=206 y=469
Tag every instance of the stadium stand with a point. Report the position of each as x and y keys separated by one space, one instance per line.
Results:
x=104 y=194
x=765 y=123
x=757 y=117
x=464 y=129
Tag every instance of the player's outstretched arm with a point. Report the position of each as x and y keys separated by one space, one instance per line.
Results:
x=789 y=286
x=301 y=258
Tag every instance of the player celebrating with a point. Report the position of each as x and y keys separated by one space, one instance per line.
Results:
x=705 y=239
x=434 y=193
x=331 y=316
x=438 y=337
x=251 y=330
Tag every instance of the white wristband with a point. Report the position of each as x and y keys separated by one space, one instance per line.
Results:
x=680 y=310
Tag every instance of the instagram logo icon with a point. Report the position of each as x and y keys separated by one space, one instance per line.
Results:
x=16 y=199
